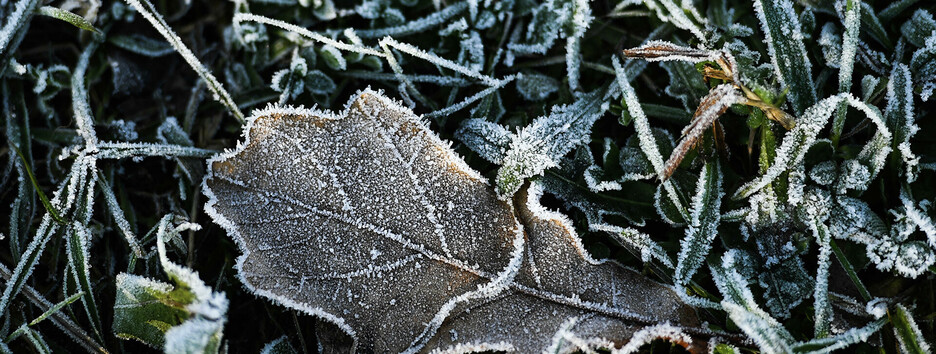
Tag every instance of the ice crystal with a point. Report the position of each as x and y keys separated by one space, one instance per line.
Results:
x=287 y=200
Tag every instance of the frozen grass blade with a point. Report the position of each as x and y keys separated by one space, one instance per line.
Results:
x=52 y=310
x=469 y=100
x=846 y=62
x=581 y=19
x=354 y=48
x=705 y=215
x=784 y=39
x=80 y=104
x=145 y=8
x=678 y=15
x=69 y=17
x=648 y=142
x=900 y=119
x=418 y=25
x=840 y=341
x=122 y=150
x=823 y=310
x=433 y=79
x=435 y=59
x=14 y=29
x=78 y=243
x=119 y=218
x=907 y=331
x=21 y=206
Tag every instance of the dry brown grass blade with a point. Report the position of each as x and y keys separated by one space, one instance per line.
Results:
x=712 y=106
x=661 y=50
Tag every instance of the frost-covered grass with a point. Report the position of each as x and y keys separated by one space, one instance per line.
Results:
x=678 y=159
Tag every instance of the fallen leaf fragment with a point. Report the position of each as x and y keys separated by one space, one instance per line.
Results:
x=368 y=220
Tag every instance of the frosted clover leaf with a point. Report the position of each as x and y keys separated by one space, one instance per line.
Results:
x=368 y=220
x=898 y=250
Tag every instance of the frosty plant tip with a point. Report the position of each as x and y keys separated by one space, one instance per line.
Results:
x=731 y=91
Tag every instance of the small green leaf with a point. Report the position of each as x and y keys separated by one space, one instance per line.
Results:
x=69 y=17
x=187 y=317
x=141 y=309
x=57 y=307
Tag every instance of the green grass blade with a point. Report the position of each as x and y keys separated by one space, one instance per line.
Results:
x=57 y=307
x=846 y=63
x=42 y=196
x=850 y=270
x=907 y=331
x=77 y=244
x=69 y=17
x=787 y=52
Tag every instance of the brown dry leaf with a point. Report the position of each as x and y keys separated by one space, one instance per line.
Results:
x=371 y=222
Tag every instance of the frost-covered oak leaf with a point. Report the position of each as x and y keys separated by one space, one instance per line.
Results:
x=368 y=220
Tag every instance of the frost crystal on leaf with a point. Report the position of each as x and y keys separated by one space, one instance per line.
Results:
x=534 y=86
x=541 y=144
x=310 y=195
